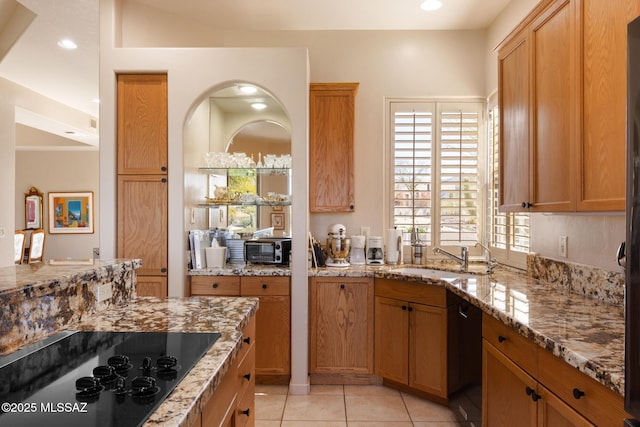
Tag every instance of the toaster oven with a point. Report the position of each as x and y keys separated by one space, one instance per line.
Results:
x=271 y=250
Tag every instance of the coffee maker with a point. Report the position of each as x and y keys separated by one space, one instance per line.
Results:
x=375 y=251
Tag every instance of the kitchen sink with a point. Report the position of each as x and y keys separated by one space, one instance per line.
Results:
x=429 y=272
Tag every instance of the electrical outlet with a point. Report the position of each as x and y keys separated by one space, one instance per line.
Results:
x=104 y=292
x=96 y=253
x=365 y=231
x=563 y=246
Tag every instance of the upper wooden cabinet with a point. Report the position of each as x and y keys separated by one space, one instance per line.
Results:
x=562 y=92
x=142 y=124
x=331 y=127
x=538 y=70
x=604 y=92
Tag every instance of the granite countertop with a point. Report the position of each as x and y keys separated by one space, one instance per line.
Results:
x=226 y=315
x=586 y=332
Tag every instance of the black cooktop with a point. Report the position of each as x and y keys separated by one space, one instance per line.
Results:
x=98 y=378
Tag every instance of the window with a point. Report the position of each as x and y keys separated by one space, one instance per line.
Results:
x=436 y=173
x=508 y=233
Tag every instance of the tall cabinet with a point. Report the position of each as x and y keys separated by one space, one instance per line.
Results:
x=562 y=94
x=142 y=224
x=331 y=130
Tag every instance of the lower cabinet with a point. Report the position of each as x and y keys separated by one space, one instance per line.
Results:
x=341 y=328
x=233 y=402
x=417 y=342
x=273 y=319
x=523 y=382
x=151 y=286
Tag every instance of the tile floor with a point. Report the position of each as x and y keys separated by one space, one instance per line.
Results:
x=359 y=406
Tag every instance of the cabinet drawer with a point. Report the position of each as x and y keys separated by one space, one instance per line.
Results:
x=269 y=285
x=410 y=291
x=247 y=370
x=215 y=285
x=248 y=338
x=600 y=405
x=246 y=409
x=516 y=347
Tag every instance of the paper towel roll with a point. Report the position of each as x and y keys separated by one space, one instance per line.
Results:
x=394 y=245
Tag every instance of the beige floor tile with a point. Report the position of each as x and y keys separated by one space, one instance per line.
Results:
x=314 y=408
x=314 y=424
x=321 y=389
x=270 y=406
x=272 y=389
x=376 y=408
x=369 y=390
x=267 y=423
x=425 y=410
x=379 y=424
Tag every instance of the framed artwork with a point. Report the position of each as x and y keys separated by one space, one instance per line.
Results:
x=33 y=209
x=71 y=213
x=277 y=221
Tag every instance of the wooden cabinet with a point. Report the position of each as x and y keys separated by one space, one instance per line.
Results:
x=273 y=320
x=233 y=402
x=341 y=326
x=142 y=219
x=604 y=93
x=415 y=342
x=331 y=133
x=522 y=381
x=142 y=124
x=538 y=80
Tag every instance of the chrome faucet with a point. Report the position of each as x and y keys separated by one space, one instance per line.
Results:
x=491 y=262
x=463 y=259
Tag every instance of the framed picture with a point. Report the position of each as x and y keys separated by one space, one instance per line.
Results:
x=71 y=213
x=33 y=209
x=277 y=221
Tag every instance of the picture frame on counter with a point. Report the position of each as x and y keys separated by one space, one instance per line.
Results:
x=71 y=213
x=33 y=206
x=277 y=221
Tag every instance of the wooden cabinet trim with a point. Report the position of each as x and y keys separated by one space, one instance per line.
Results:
x=411 y=291
x=522 y=351
x=215 y=285
x=268 y=285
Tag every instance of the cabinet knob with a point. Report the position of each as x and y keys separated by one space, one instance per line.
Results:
x=410 y=308
x=341 y=285
x=245 y=412
x=577 y=393
x=531 y=392
x=163 y=180
x=501 y=338
x=404 y=307
x=214 y=286
x=247 y=340
x=264 y=286
x=163 y=270
x=526 y=205
x=247 y=377
x=351 y=207
x=163 y=168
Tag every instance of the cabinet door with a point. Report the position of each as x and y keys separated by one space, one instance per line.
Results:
x=505 y=389
x=392 y=339
x=142 y=222
x=331 y=126
x=513 y=83
x=273 y=336
x=151 y=286
x=554 y=43
x=604 y=92
x=428 y=349
x=342 y=326
x=142 y=124
x=553 y=412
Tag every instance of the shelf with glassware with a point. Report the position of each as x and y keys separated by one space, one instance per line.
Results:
x=233 y=187
x=246 y=199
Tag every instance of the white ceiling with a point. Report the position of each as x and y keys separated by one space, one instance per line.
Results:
x=71 y=77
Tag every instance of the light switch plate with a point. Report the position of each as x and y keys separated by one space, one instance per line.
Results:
x=563 y=246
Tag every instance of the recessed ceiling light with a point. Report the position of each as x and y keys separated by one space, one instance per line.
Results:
x=248 y=89
x=431 y=5
x=67 y=44
x=258 y=105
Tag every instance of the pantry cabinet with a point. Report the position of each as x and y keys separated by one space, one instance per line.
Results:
x=273 y=320
x=142 y=201
x=331 y=133
x=542 y=390
x=416 y=341
x=341 y=326
x=538 y=78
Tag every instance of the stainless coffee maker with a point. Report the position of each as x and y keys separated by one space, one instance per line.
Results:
x=375 y=251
